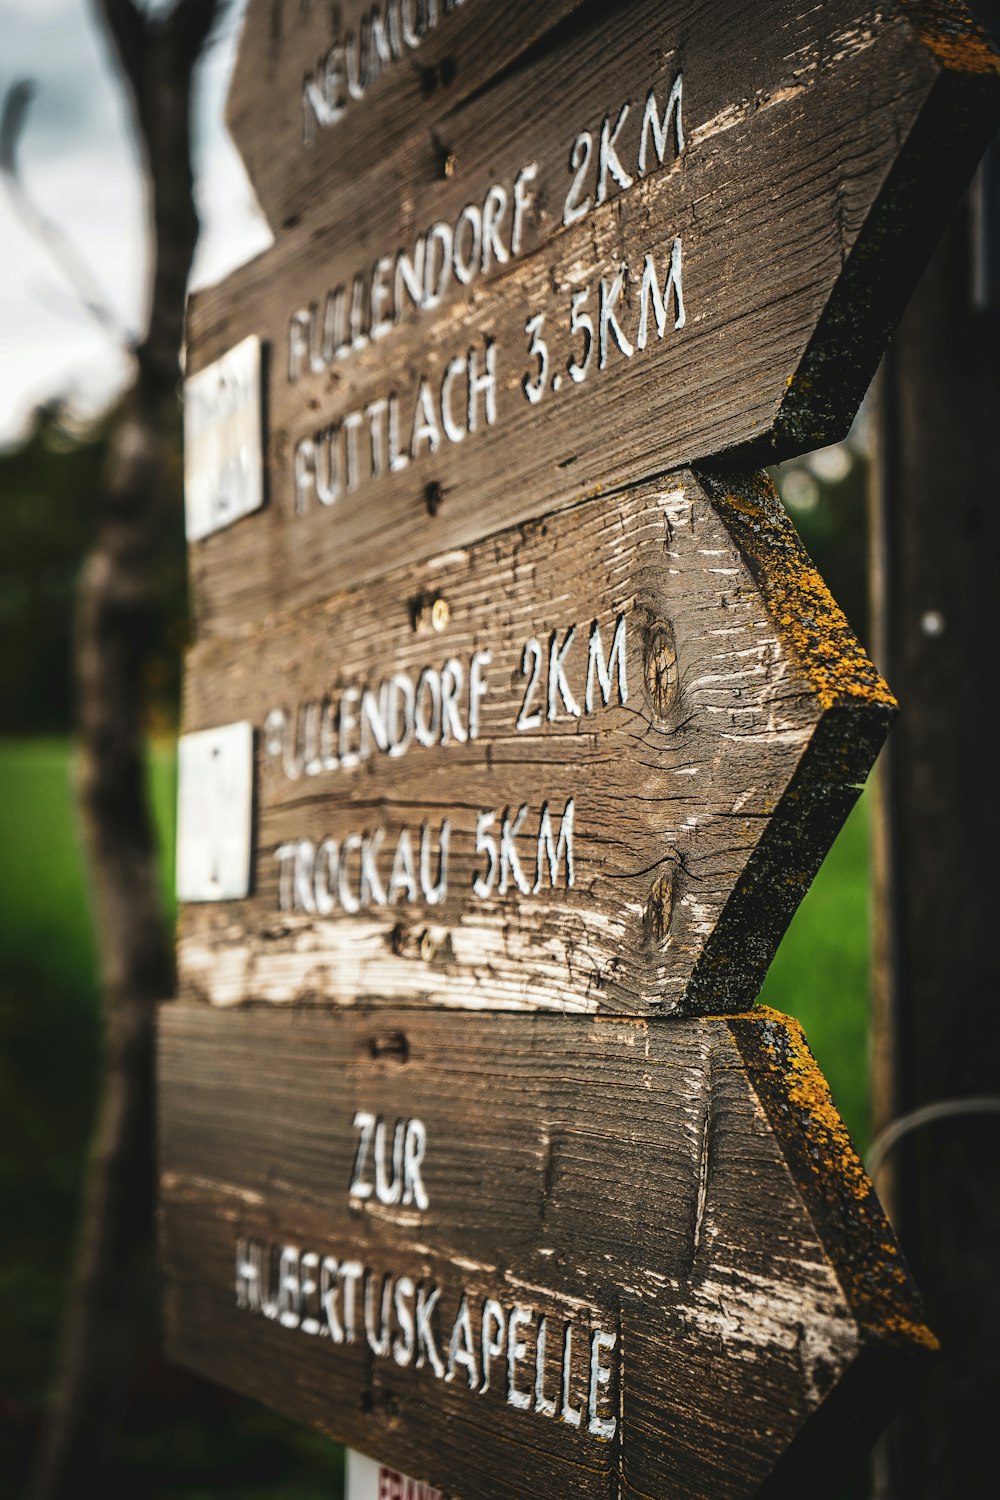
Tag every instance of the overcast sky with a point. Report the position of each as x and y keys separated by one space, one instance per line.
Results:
x=79 y=162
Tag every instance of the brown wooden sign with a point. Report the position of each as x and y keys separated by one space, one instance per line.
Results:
x=657 y=235
x=531 y=1256
x=543 y=708
x=589 y=764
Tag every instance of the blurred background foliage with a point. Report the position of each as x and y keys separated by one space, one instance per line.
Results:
x=186 y=1439
x=47 y=522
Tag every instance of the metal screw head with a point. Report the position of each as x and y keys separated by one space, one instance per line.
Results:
x=440 y=614
x=428 y=947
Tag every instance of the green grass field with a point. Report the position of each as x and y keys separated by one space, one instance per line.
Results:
x=820 y=972
x=49 y=1061
x=192 y=1442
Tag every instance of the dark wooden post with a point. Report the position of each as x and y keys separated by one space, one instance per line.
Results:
x=937 y=979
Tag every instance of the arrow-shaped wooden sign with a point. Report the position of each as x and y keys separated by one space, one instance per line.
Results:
x=544 y=708
x=590 y=764
x=662 y=234
x=528 y=1257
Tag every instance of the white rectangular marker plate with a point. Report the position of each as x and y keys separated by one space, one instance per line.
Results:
x=223 y=453
x=214 y=813
x=366 y=1479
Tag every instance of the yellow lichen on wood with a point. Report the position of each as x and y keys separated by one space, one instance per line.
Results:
x=913 y=1331
x=809 y=1092
x=947 y=30
x=812 y=626
x=868 y=1261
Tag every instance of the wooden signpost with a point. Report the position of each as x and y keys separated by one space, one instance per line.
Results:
x=517 y=723
x=588 y=764
x=525 y=1256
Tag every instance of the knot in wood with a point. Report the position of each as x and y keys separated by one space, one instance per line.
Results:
x=659 y=910
x=428 y=947
x=660 y=669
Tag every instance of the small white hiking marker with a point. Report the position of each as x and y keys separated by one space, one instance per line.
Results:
x=366 y=1479
x=214 y=808
x=223 y=455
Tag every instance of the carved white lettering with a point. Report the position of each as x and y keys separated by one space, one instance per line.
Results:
x=558 y=685
x=569 y=1413
x=543 y=1404
x=530 y=718
x=377 y=1331
x=653 y=122
x=608 y=320
x=596 y=665
x=329 y=1285
x=609 y=163
x=520 y=1317
x=351 y=1272
x=576 y=207
x=426 y=1347
x=461 y=1350
x=600 y=1376
x=554 y=851
x=469 y=227
x=311 y=1322
x=510 y=864
x=404 y=1342
x=434 y=893
x=522 y=205
x=399 y=1318
x=478 y=687
x=388 y=1190
x=650 y=289
x=364 y=1123
x=414 y=1148
x=492 y=1343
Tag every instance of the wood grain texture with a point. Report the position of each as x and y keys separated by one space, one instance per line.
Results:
x=687 y=1189
x=702 y=804
x=819 y=147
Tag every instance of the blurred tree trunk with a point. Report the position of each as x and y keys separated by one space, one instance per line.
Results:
x=937 y=826
x=111 y=1302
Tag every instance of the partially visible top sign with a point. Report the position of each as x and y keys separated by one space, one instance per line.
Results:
x=310 y=78
x=664 y=233
x=223 y=457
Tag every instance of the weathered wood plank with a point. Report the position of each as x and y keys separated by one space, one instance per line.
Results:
x=292 y=53
x=792 y=218
x=683 y=1198
x=663 y=672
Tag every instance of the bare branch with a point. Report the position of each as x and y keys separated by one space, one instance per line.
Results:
x=12 y=123
x=128 y=28
x=191 y=21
